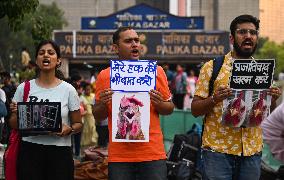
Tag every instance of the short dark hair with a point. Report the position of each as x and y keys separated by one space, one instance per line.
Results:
x=115 y=36
x=75 y=77
x=5 y=74
x=245 y=18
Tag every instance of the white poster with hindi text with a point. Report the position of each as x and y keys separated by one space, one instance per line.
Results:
x=133 y=75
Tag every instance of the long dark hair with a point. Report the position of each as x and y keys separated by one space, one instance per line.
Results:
x=58 y=73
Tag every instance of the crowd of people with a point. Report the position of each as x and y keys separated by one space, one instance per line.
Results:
x=86 y=106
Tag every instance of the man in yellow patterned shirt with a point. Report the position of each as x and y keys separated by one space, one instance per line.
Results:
x=229 y=153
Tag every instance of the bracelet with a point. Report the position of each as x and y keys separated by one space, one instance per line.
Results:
x=212 y=99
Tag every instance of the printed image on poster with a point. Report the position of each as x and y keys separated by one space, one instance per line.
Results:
x=130 y=117
x=258 y=110
x=246 y=108
x=39 y=117
x=234 y=110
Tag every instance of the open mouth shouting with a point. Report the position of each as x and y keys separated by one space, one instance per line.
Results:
x=247 y=44
x=135 y=53
x=46 y=62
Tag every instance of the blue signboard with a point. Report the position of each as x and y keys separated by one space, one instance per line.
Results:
x=142 y=16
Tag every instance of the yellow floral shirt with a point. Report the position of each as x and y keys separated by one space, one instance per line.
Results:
x=219 y=138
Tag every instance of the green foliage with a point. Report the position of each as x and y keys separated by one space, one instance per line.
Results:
x=260 y=43
x=271 y=50
x=35 y=27
x=45 y=20
x=15 y=10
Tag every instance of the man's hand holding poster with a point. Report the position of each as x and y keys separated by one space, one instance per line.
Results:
x=131 y=81
x=250 y=103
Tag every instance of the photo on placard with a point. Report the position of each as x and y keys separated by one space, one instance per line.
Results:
x=246 y=108
x=39 y=116
x=130 y=117
x=234 y=109
x=259 y=109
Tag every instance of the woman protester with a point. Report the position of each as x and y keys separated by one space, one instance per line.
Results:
x=48 y=156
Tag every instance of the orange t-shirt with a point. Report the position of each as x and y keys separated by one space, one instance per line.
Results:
x=137 y=151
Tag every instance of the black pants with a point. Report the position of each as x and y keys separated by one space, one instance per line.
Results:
x=42 y=162
x=148 y=170
x=178 y=100
x=103 y=135
x=77 y=143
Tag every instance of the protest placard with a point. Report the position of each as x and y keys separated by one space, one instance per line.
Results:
x=39 y=117
x=133 y=75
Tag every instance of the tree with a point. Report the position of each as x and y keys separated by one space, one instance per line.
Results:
x=45 y=20
x=34 y=27
x=271 y=50
x=15 y=11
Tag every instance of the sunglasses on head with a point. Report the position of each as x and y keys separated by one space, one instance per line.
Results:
x=245 y=31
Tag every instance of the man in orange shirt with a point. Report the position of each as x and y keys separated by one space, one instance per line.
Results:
x=134 y=160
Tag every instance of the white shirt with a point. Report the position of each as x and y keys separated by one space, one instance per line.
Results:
x=273 y=132
x=64 y=93
x=3 y=98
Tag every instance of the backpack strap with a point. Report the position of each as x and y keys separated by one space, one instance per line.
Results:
x=27 y=88
x=217 y=64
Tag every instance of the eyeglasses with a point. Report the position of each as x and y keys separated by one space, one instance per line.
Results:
x=243 y=32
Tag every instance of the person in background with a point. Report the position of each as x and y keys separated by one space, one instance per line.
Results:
x=273 y=132
x=102 y=130
x=83 y=110
x=169 y=74
x=48 y=156
x=178 y=86
x=94 y=75
x=190 y=89
x=30 y=72
x=25 y=57
x=89 y=134
x=229 y=152
x=3 y=99
x=76 y=80
x=133 y=161
x=9 y=89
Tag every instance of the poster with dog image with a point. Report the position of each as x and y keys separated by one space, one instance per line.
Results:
x=130 y=117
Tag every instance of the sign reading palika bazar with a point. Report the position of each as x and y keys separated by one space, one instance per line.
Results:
x=142 y=16
x=156 y=44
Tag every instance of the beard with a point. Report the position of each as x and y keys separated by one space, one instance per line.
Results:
x=244 y=53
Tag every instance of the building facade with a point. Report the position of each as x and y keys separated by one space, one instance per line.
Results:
x=218 y=14
x=271 y=16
